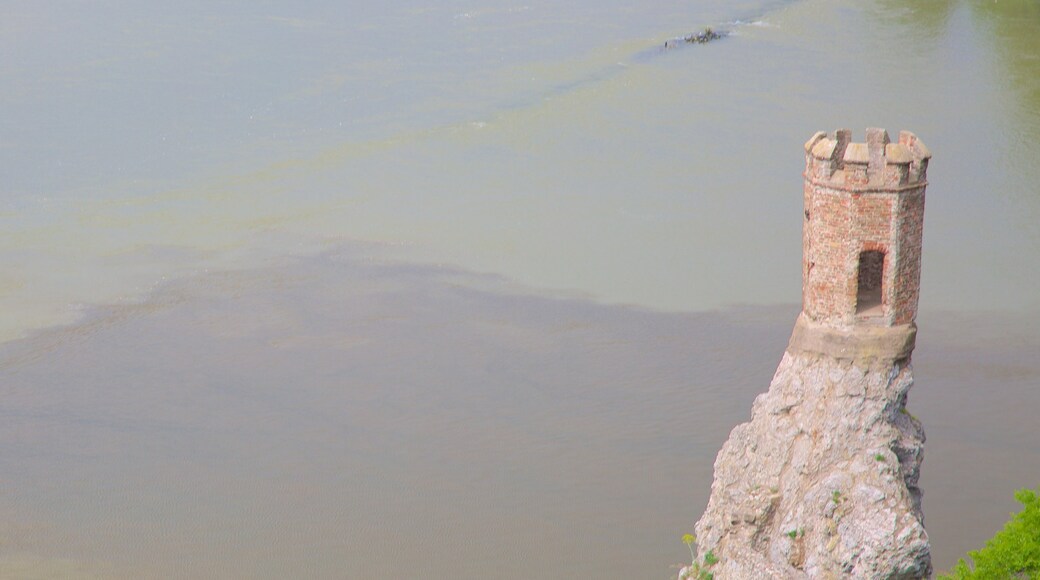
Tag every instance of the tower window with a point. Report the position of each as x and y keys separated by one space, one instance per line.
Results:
x=869 y=296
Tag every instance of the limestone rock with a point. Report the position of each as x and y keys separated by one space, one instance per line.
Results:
x=822 y=482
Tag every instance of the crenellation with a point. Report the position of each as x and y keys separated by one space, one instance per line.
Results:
x=877 y=161
x=856 y=162
x=897 y=164
x=877 y=140
x=826 y=157
x=843 y=137
x=919 y=166
x=816 y=138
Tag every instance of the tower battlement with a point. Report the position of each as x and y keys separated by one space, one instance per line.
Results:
x=861 y=243
x=877 y=163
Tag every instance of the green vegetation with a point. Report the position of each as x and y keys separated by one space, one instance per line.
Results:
x=836 y=496
x=696 y=570
x=1013 y=552
x=879 y=457
x=796 y=533
x=710 y=559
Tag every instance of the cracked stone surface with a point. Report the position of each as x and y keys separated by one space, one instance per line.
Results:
x=822 y=482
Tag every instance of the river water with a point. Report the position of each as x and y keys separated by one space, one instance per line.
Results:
x=472 y=288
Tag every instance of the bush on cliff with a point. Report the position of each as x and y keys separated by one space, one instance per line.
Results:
x=1013 y=553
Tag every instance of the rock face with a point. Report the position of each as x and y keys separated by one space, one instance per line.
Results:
x=822 y=483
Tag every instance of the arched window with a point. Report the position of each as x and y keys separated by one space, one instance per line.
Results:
x=869 y=302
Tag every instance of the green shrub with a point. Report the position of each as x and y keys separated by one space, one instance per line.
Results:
x=697 y=571
x=1013 y=552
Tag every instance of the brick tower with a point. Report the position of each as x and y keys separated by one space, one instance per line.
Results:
x=861 y=244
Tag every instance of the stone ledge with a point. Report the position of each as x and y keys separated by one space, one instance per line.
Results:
x=837 y=185
x=857 y=343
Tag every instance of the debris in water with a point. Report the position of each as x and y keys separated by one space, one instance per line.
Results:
x=704 y=37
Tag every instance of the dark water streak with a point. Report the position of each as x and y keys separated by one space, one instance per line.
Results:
x=346 y=417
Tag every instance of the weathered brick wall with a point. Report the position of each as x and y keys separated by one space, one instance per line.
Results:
x=910 y=233
x=861 y=197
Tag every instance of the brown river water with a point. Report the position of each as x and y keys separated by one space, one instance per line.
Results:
x=470 y=289
x=342 y=417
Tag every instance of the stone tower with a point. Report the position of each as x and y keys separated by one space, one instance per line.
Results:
x=861 y=244
x=823 y=481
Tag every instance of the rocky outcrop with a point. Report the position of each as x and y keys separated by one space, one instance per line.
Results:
x=822 y=482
